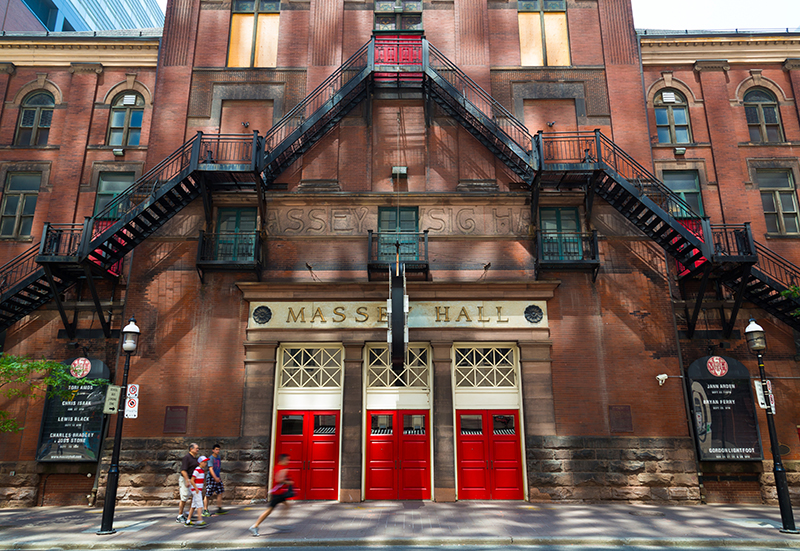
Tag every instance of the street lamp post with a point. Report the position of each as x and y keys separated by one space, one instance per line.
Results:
x=130 y=338
x=757 y=341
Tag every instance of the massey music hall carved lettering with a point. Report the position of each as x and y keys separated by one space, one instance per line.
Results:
x=447 y=220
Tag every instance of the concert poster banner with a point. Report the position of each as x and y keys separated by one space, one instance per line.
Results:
x=723 y=410
x=72 y=425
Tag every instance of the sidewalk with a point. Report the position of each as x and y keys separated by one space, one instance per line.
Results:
x=403 y=523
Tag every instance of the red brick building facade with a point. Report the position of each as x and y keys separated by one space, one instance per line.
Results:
x=283 y=158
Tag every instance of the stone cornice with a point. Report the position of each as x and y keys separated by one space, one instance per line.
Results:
x=685 y=50
x=712 y=65
x=64 y=53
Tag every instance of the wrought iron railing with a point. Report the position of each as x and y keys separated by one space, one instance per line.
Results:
x=495 y=116
x=317 y=99
x=567 y=247
x=150 y=182
x=732 y=240
x=19 y=268
x=776 y=267
x=61 y=239
x=239 y=248
x=384 y=246
x=595 y=147
x=226 y=148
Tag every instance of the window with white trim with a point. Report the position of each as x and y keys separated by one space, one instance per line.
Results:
x=485 y=367
x=311 y=367
x=125 y=122
x=672 y=117
x=413 y=374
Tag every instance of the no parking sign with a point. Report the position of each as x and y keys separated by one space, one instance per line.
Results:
x=132 y=402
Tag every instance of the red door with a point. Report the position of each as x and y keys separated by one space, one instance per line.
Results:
x=398 y=455
x=311 y=439
x=489 y=455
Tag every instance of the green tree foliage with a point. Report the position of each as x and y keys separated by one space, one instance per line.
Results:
x=22 y=378
x=793 y=292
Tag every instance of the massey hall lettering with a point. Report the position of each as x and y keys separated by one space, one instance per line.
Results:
x=363 y=314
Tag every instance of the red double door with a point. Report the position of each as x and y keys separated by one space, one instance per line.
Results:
x=398 y=455
x=311 y=439
x=489 y=454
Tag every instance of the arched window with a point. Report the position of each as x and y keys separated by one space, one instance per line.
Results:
x=125 y=123
x=672 y=117
x=35 y=117
x=763 y=121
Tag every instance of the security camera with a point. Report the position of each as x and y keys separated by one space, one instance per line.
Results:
x=662 y=378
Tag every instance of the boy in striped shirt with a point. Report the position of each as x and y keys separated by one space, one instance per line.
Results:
x=198 y=478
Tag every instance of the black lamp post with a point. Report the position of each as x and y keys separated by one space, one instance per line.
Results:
x=130 y=338
x=757 y=341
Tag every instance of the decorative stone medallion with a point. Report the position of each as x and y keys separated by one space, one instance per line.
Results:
x=262 y=315
x=534 y=314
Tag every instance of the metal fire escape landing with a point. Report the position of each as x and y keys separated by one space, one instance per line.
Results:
x=71 y=253
x=702 y=250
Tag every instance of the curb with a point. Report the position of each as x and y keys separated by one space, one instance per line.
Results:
x=372 y=541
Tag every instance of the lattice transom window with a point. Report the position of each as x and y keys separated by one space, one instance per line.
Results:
x=311 y=367
x=381 y=374
x=485 y=367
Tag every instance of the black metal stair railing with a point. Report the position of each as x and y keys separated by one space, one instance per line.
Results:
x=645 y=182
x=309 y=120
x=776 y=267
x=486 y=118
x=23 y=287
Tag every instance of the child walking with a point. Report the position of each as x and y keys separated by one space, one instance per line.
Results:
x=198 y=478
x=280 y=492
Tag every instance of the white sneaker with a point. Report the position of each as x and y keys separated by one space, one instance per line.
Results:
x=181 y=519
x=253 y=530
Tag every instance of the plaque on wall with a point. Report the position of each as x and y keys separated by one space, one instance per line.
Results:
x=723 y=411
x=72 y=425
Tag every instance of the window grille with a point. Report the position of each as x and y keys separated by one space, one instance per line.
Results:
x=381 y=374
x=311 y=367
x=485 y=367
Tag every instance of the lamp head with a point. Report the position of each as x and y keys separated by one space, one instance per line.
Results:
x=130 y=337
x=756 y=338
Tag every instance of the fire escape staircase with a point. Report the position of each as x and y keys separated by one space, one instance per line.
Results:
x=72 y=253
x=69 y=253
x=704 y=251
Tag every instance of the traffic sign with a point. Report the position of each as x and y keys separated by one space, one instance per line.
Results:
x=131 y=408
x=133 y=391
x=759 y=386
x=111 y=405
